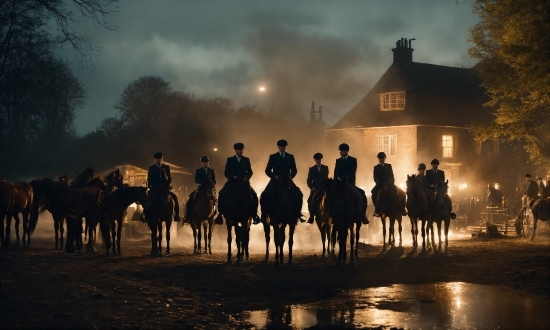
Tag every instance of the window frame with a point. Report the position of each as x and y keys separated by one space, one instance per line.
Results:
x=390 y=146
x=446 y=148
x=390 y=101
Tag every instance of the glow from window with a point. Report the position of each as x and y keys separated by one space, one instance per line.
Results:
x=448 y=146
x=388 y=144
x=392 y=101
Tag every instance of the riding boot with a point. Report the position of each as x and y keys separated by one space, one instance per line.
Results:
x=219 y=219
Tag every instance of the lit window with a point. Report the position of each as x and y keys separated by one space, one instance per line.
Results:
x=392 y=101
x=388 y=144
x=448 y=146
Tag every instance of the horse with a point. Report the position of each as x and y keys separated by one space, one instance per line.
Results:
x=282 y=213
x=541 y=211
x=47 y=196
x=238 y=215
x=112 y=180
x=22 y=203
x=159 y=208
x=6 y=203
x=85 y=202
x=392 y=208
x=441 y=210
x=418 y=208
x=203 y=215
x=341 y=207
x=324 y=221
x=122 y=198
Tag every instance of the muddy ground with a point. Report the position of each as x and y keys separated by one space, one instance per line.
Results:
x=47 y=288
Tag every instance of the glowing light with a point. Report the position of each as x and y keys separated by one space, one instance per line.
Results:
x=496 y=186
x=261 y=89
x=462 y=186
x=403 y=186
x=215 y=149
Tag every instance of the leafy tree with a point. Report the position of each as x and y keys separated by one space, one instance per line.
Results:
x=512 y=44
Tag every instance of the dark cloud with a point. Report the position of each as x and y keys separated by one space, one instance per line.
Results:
x=332 y=52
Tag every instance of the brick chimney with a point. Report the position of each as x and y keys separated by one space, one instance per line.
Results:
x=403 y=51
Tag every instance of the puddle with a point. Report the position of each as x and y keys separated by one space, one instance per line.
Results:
x=440 y=306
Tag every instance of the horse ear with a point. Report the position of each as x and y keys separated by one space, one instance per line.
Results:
x=408 y=177
x=447 y=182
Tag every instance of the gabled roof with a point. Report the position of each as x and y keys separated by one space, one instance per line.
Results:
x=435 y=95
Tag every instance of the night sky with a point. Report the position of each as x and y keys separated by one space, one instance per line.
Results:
x=328 y=51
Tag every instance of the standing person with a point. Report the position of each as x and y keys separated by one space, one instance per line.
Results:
x=202 y=175
x=540 y=184
x=345 y=171
x=532 y=189
x=435 y=175
x=280 y=164
x=237 y=167
x=159 y=180
x=383 y=175
x=317 y=173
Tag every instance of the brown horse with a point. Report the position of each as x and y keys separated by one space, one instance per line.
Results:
x=204 y=212
x=85 y=202
x=159 y=208
x=392 y=207
x=6 y=202
x=324 y=221
x=238 y=215
x=541 y=211
x=341 y=207
x=122 y=198
x=47 y=196
x=22 y=203
x=418 y=208
x=282 y=213
x=441 y=210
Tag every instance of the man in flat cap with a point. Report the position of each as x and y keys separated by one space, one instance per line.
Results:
x=345 y=171
x=316 y=175
x=421 y=175
x=237 y=167
x=159 y=180
x=383 y=175
x=280 y=164
x=435 y=175
x=203 y=174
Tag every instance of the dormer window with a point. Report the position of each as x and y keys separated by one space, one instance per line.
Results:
x=392 y=101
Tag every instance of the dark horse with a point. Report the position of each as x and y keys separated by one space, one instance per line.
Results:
x=238 y=215
x=342 y=208
x=159 y=208
x=441 y=210
x=203 y=216
x=324 y=221
x=391 y=207
x=47 y=196
x=121 y=199
x=6 y=203
x=282 y=213
x=85 y=202
x=418 y=208
x=22 y=203
x=541 y=211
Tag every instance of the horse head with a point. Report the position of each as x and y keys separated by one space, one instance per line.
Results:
x=207 y=189
x=411 y=185
x=441 y=189
x=115 y=179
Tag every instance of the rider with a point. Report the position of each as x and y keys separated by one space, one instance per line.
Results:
x=383 y=175
x=435 y=175
x=344 y=171
x=532 y=189
x=545 y=192
x=237 y=167
x=159 y=180
x=280 y=164
x=202 y=174
x=422 y=174
x=317 y=173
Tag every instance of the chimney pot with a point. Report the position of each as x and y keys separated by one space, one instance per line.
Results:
x=403 y=51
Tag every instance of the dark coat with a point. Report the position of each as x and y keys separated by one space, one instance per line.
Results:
x=314 y=176
x=533 y=190
x=158 y=175
x=383 y=174
x=434 y=177
x=422 y=179
x=345 y=169
x=240 y=169
x=201 y=176
x=281 y=166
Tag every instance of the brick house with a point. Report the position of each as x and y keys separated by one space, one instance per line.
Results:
x=414 y=113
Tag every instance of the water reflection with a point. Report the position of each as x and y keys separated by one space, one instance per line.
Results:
x=440 y=305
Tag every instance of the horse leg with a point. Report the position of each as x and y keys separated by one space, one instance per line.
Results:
x=357 y=239
x=17 y=222
x=267 y=233
x=168 y=226
x=431 y=229
x=282 y=239
x=210 y=225
x=535 y=220
x=447 y=223
x=342 y=237
x=290 y=241
x=229 y=239
x=383 y=219
x=391 y=234
x=423 y=229
x=119 y=235
x=351 y=244
x=400 y=227
x=7 y=241
x=71 y=231
x=412 y=230
x=160 y=237
x=246 y=240
x=323 y=231
x=199 y=236
x=56 y=230
x=204 y=227
x=113 y=235
x=154 y=249
x=194 y=227
x=439 y=234
x=333 y=240
x=26 y=232
x=277 y=240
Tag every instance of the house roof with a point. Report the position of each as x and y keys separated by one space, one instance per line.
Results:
x=434 y=95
